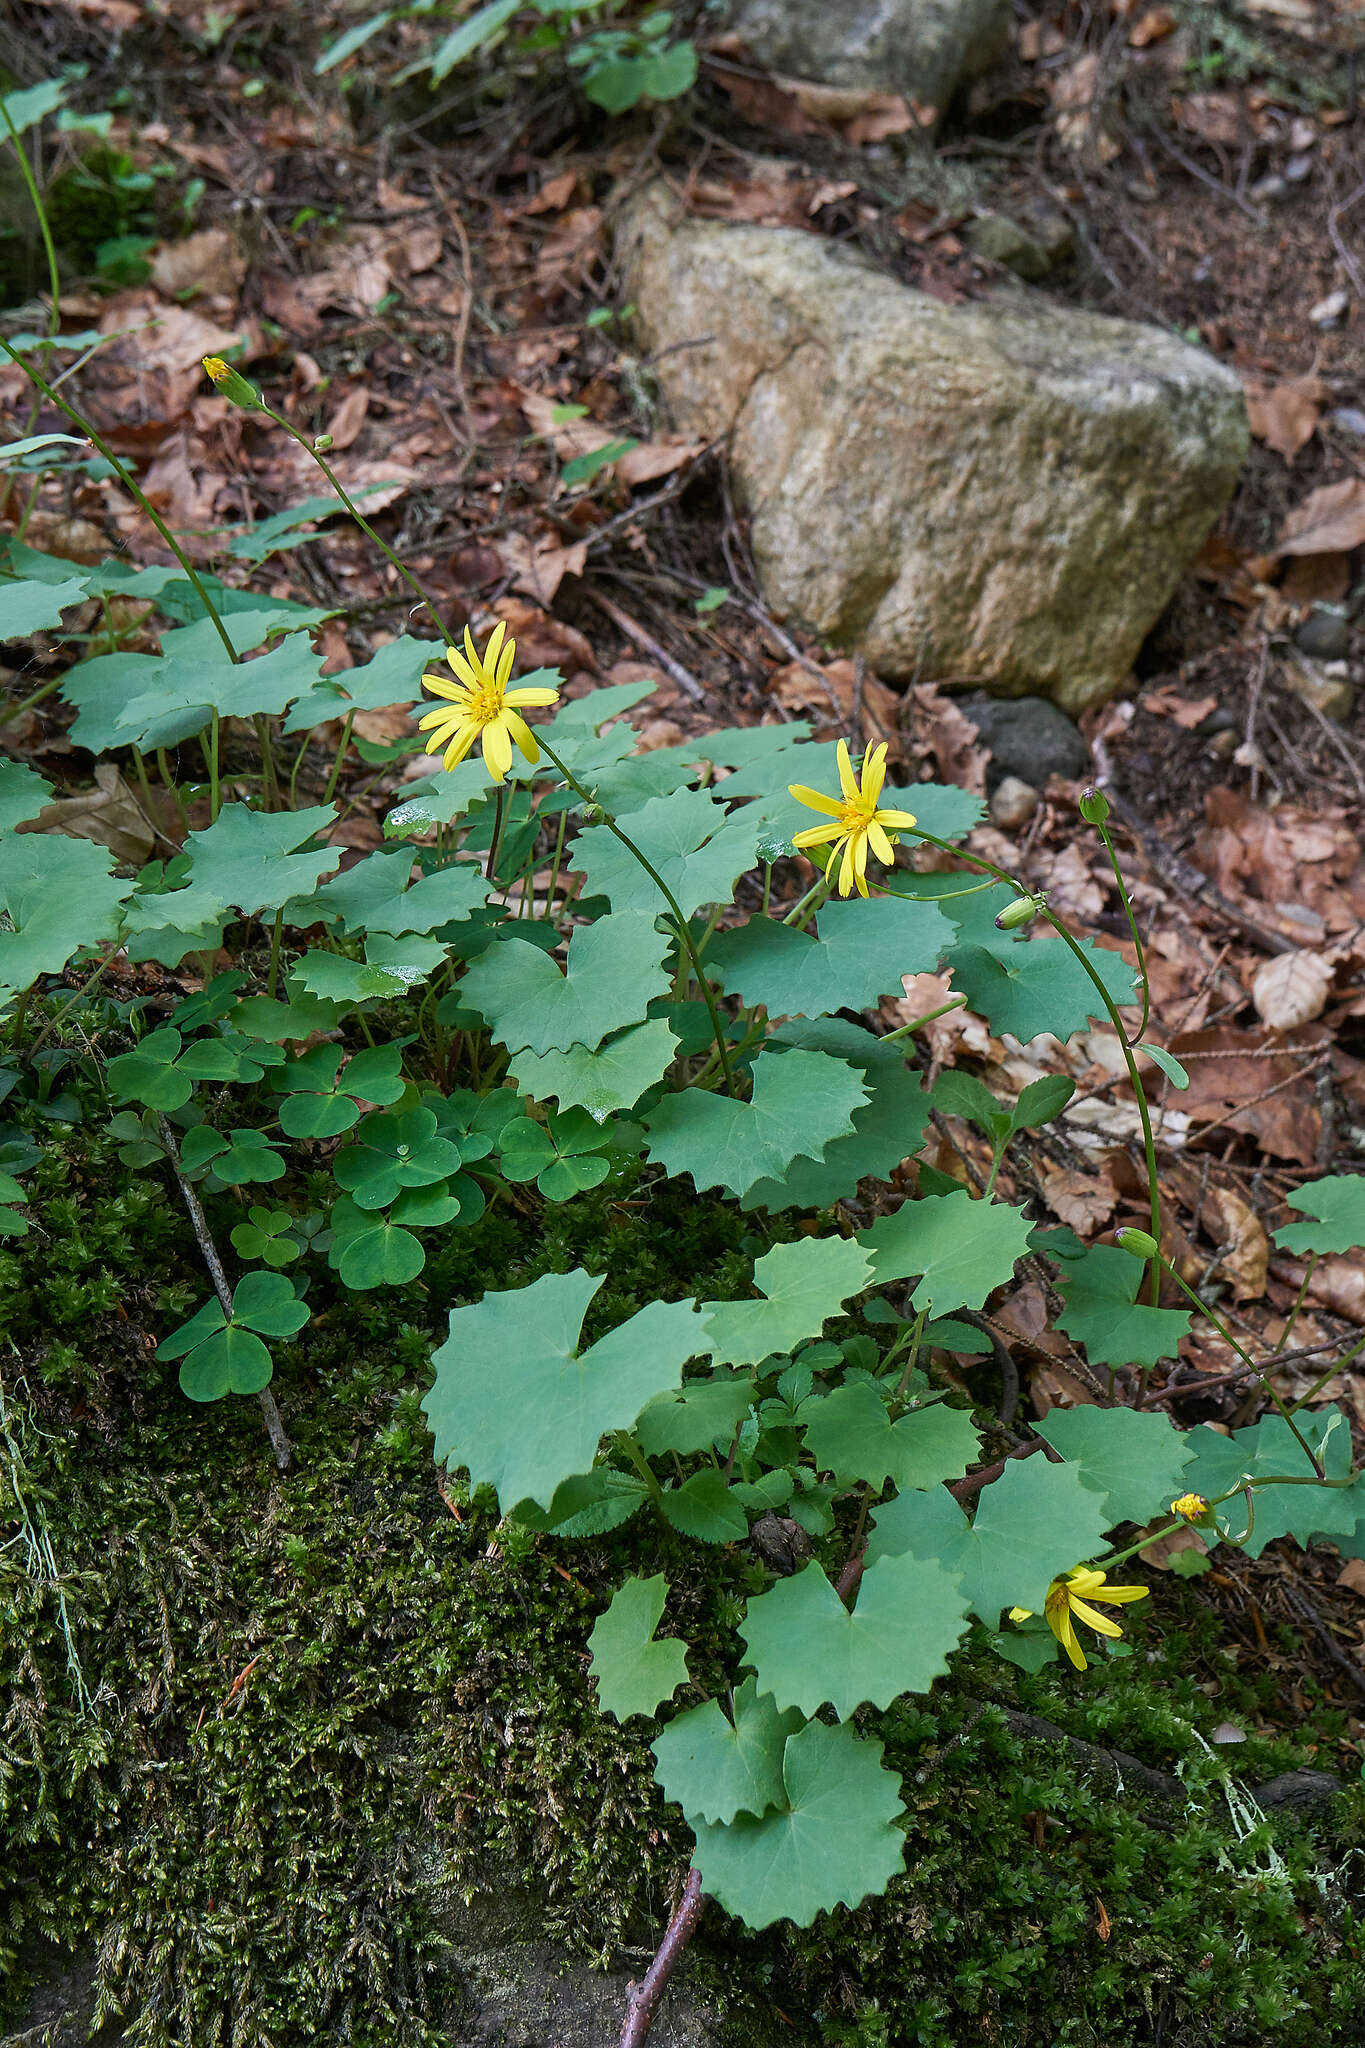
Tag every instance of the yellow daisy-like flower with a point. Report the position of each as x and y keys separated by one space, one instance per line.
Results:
x=1071 y=1595
x=855 y=821
x=482 y=707
x=1191 y=1506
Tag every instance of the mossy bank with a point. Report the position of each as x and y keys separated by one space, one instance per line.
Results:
x=262 y=1735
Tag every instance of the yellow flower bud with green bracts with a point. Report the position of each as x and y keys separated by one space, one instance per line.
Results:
x=1140 y=1243
x=1192 y=1507
x=233 y=386
x=1022 y=911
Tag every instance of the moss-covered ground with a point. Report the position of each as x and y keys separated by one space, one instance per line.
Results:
x=254 y=1729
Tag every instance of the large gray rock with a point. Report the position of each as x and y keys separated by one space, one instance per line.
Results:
x=1003 y=492
x=922 y=49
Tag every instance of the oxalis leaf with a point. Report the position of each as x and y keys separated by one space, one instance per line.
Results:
x=516 y=1403
x=831 y=1841
x=1135 y=1460
x=713 y=1768
x=860 y=953
x=1034 y=1521
x=805 y=1283
x=806 y=1648
x=963 y=1247
x=801 y=1100
x=614 y=970
x=633 y=1672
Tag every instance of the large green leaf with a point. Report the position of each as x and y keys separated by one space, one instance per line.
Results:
x=1103 y=1314
x=614 y=1077
x=801 y=1100
x=860 y=953
x=250 y=858
x=886 y=1130
x=60 y=896
x=22 y=794
x=832 y=1841
x=963 y=1247
x=392 y=675
x=1134 y=1459
x=805 y=1283
x=713 y=1768
x=1029 y=986
x=1267 y=1450
x=614 y=969
x=518 y=1404
x=695 y=845
x=1336 y=1207
x=390 y=968
x=633 y=1671
x=807 y=1649
x=29 y=607
x=1032 y=1523
x=849 y=1433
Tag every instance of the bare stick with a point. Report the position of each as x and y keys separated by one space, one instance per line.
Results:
x=274 y=1421
x=642 y=1999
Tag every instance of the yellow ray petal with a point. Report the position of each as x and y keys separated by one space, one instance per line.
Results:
x=880 y=844
x=489 y=659
x=497 y=748
x=460 y=746
x=522 y=734
x=814 y=800
x=535 y=695
x=1120 y=1596
x=874 y=773
x=817 y=835
x=1070 y=1642
x=848 y=873
x=848 y=781
x=452 y=716
x=440 y=687
x=1092 y=1618
x=896 y=819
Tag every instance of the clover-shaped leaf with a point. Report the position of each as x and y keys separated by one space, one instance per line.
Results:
x=318 y=1104
x=372 y=1251
x=226 y=1056
x=265 y=1236
x=222 y=1355
x=562 y=1156
x=150 y=1073
x=633 y=1671
x=394 y=1150
x=237 y=1158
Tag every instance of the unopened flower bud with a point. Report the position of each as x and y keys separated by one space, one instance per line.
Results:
x=322 y=444
x=1094 y=806
x=232 y=384
x=1022 y=911
x=1140 y=1243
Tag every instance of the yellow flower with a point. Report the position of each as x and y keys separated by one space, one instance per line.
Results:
x=855 y=821
x=482 y=706
x=1191 y=1506
x=217 y=369
x=1071 y=1595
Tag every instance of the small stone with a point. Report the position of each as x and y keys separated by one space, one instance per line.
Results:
x=1298 y=1791
x=1351 y=420
x=923 y=49
x=1325 y=633
x=1329 y=312
x=1269 y=188
x=1299 y=169
x=1029 y=739
x=1013 y=804
x=1333 y=695
x=1001 y=240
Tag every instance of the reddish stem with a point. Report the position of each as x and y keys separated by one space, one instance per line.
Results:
x=642 y=1999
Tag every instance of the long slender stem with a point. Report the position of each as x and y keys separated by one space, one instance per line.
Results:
x=330 y=791
x=1247 y=1359
x=929 y=1017
x=274 y=1422
x=1136 y=935
x=54 y=278
x=215 y=791
x=134 y=490
x=675 y=911
x=1299 y=1300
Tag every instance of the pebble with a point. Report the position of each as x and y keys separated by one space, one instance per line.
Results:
x=1013 y=804
x=1330 y=310
x=1350 y=419
x=1271 y=187
x=1332 y=692
x=1299 y=169
x=1325 y=633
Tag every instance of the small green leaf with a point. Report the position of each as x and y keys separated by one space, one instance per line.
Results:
x=367 y=1251
x=149 y=1074
x=714 y=1769
x=705 y=1509
x=849 y=1433
x=806 y=1648
x=1168 y=1063
x=831 y=1842
x=633 y=1672
x=704 y=1414
x=581 y=469
x=614 y=1077
x=232 y=1362
x=1103 y=1314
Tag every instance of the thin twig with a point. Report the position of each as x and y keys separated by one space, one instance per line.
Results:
x=274 y=1422
x=634 y=631
x=642 y=1999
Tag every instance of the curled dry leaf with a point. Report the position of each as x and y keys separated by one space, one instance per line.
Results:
x=1291 y=989
x=207 y=262
x=539 y=565
x=110 y=814
x=1234 y=1222
x=1285 y=416
x=1330 y=520
x=1160 y=1552
x=1078 y=1199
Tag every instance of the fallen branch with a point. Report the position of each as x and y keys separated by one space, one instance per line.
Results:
x=642 y=1999
x=274 y=1421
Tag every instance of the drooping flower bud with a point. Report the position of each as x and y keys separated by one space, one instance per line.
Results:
x=232 y=384
x=1140 y=1243
x=1022 y=911
x=1094 y=806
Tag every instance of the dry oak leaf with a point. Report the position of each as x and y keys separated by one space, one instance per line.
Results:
x=538 y=566
x=1285 y=416
x=157 y=337
x=1330 y=520
x=207 y=262
x=1352 y=1575
x=349 y=417
x=1291 y=989
x=1076 y=1199
x=1235 y=1223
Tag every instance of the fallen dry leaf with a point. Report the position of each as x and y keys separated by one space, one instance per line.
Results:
x=1160 y=1552
x=1151 y=27
x=157 y=337
x=1352 y=1575
x=1234 y=1222
x=1330 y=520
x=936 y=726
x=961 y=1030
x=1285 y=416
x=1232 y=1076
x=538 y=566
x=554 y=195
x=349 y=417
x=542 y=641
x=1077 y=1199
x=1291 y=989
x=1212 y=116
x=650 y=460
x=1072 y=888
x=110 y=814
x=1077 y=94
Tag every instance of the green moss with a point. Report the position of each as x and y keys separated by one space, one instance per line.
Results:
x=315 y=1705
